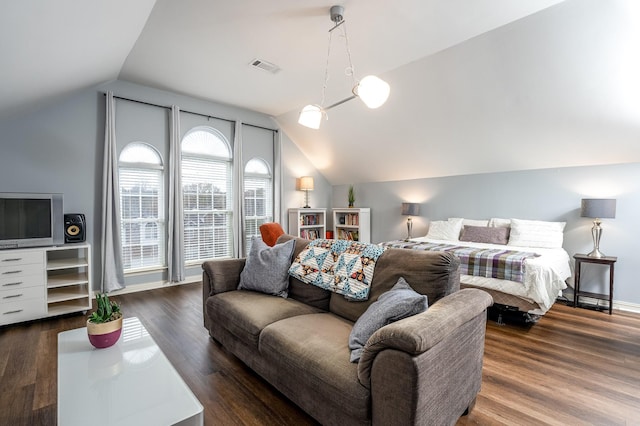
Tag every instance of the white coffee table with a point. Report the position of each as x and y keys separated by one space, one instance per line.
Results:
x=130 y=383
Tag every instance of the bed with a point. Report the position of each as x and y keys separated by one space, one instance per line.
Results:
x=524 y=295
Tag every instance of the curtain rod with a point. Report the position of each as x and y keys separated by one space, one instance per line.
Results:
x=190 y=112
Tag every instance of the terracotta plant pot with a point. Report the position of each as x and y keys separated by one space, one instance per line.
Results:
x=104 y=334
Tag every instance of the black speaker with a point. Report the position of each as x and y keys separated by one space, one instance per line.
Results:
x=74 y=228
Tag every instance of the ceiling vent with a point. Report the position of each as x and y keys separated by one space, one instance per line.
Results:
x=265 y=66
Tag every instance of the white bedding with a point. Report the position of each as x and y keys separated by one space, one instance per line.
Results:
x=544 y=275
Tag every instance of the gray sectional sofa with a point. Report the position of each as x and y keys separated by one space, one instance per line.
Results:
x=425 y=369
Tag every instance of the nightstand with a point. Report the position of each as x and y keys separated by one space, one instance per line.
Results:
x=606 y=260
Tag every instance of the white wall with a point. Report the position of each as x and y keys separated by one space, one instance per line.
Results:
x=547 y=194
x=295 y=166
x=558 y=88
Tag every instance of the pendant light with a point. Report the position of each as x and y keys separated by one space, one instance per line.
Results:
x=372 y=90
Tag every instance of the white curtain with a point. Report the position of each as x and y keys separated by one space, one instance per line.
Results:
x=277 y=177
x=238 y=191
x=112 y=270
x=175 y=253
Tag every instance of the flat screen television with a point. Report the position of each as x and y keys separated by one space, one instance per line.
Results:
x=31 y=220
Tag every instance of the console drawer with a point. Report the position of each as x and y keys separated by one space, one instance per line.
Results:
x=20 y=257
x=19 y=294
x=32 y=278
x=22 y=310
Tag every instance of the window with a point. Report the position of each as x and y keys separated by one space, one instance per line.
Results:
x=141 y=207
x=258 y=201
x=207 y=195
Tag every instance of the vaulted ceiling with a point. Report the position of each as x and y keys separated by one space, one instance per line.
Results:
x=476 y=85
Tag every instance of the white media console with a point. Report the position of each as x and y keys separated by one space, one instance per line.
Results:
x=45 y=281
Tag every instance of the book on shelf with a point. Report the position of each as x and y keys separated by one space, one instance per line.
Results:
x=309 y=219
x=310 y=234
x=351 y=219
x=344 y=234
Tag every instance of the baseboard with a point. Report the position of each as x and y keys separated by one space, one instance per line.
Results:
x=134 y=288
x=627 y=306
x=603 y=304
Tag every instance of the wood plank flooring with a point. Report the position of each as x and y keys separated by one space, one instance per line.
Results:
x=574 y=367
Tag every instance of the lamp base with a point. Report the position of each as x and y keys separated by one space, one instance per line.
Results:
x=596 y=233
x=306 y=199
x=596 y=253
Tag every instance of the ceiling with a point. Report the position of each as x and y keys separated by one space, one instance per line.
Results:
x=454 y=67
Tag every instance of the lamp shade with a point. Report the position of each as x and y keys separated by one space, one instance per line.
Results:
x=598 y=208
x=410 y=209
x=306 y=183
x=311 y=116
x=373 y=91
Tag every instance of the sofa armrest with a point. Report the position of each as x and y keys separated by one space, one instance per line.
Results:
x=419 y=333
x=222 y=275
x=219 y=276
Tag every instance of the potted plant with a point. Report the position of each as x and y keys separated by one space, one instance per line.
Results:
x=104 y=326
x=352 y=196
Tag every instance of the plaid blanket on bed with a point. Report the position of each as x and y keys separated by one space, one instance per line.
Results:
x=481 y=262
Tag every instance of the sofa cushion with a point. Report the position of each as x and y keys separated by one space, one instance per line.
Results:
x=266 y=268
x=398 y=303
x=434 y=274
x=245 y=313
x=306 y=293
x=311 y=352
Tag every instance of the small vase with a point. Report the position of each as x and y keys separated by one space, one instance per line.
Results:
x=104 y=335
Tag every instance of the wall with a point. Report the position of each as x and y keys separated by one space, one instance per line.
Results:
x=59 y=148
x=549 y=194
x=295 y=165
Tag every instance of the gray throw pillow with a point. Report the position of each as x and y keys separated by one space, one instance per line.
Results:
x=485 y=234
x=267 y=268
x=393 y=305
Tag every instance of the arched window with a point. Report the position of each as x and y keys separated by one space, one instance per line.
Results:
x=142 y=221
x=258 y=198
x=207 y=195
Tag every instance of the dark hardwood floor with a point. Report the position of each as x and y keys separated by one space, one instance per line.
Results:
x=574 y=367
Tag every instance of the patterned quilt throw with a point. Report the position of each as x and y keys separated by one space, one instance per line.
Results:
x=480 y=262
x=341 y=266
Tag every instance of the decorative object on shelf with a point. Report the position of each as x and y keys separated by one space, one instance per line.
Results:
x=352 y=196
x=306 y=185
x=104 y=326
x=373 y=91
x=410 y=209
x=597 y=208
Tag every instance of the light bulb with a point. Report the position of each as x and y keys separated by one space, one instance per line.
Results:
x=373 y=91
x=311 y=116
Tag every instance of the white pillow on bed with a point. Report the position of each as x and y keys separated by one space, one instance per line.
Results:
x=536 y=233
x=468 y=222
x=474 y=222
x=496 y=222
x=445 y=229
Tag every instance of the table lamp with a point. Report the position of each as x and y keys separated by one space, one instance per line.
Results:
x=306 y=185
x=410 y=209
x=597 y=208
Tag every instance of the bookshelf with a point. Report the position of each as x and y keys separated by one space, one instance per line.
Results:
x=308 y=223
x=352 y=224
